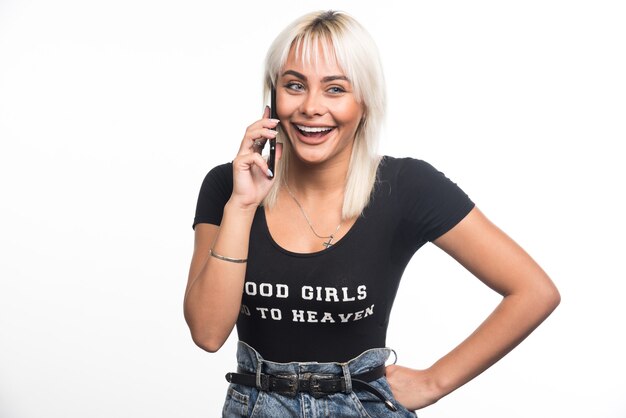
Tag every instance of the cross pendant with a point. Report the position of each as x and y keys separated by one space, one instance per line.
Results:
x=329 y=242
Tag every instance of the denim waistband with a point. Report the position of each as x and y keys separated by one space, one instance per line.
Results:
x=250 y=361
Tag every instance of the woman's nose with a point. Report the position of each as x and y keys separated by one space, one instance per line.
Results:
x=313 y=104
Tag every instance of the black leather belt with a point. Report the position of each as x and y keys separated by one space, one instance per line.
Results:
x=316 y=384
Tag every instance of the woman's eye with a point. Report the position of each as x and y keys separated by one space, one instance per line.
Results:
x=295 y=86
x=336 y=90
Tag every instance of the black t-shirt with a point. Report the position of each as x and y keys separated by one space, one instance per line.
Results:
x=333 y=304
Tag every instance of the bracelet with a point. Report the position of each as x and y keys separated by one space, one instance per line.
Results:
x=229 y=259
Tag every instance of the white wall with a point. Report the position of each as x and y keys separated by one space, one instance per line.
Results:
x=112 y=112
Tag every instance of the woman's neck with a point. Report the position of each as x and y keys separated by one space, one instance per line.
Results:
x=317 y=181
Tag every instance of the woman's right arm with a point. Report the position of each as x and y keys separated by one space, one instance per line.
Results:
x=214 y=286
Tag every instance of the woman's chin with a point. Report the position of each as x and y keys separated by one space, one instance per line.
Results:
x=321 y=153
x=311 y=156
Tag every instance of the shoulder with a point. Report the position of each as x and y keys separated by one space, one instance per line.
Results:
x=219 y=179
x=407 y=171
x=389 y=163
x=222 y=172
x=215 y=191
x=428 y=201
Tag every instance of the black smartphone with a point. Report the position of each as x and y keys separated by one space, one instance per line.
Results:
x=271 y=161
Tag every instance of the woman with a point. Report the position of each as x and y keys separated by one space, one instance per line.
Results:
x=317 y=251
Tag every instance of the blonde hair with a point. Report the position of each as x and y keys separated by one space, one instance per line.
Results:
x=343 y=41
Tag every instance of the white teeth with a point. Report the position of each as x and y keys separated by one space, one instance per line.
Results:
x=313 y=129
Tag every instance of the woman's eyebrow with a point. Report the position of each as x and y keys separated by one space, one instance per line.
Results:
x=335 y=77
x=295 y=74
x=324 y=80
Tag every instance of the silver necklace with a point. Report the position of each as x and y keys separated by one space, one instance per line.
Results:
x=330 y=237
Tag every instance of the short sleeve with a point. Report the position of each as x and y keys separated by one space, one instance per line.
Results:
x=430 y=202
x=214 y=193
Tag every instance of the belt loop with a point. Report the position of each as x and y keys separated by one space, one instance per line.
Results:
x=259 y=369
x=259 y=366
x=395 y=356
x=347 y=378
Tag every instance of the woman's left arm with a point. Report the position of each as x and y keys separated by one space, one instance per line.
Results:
x=529 y=296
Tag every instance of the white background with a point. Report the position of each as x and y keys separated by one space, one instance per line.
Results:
x=111 y=113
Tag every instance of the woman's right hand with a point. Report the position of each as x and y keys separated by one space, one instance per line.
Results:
x=251 y=179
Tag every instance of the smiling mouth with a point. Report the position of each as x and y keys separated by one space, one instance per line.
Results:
x=313 y=131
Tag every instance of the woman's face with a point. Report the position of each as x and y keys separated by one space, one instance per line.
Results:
x=318 y=110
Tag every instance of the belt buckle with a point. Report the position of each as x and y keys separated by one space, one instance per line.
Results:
x=292 y=383
x=306 y=382
x=314 y=384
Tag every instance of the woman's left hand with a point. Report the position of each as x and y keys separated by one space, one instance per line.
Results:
x=414 y=389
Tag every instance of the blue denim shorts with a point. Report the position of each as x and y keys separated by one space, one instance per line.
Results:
x=250 y=402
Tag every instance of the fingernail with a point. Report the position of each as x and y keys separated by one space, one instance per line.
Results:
x=269 y=173
x=275 y=120
x=273 y=132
